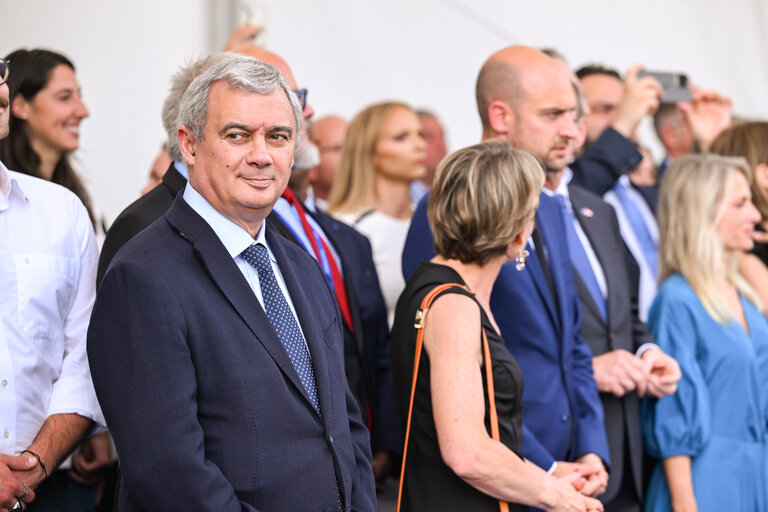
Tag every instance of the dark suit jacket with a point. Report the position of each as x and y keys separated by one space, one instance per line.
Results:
x=623 y=330
x=562 y=415
x=367 y=358
x=138 y=215
x=605 y=161
x=205 y=407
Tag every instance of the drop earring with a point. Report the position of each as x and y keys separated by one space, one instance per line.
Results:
x=522 y=255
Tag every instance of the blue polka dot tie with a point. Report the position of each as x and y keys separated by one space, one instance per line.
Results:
x=282 y=319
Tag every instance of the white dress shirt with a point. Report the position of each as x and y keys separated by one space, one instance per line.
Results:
x=48 y=259
x=236 y=240
x=597 y=269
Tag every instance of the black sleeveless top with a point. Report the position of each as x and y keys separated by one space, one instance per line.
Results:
x=430 y=484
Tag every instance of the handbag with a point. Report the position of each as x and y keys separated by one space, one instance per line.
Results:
x=419 y=323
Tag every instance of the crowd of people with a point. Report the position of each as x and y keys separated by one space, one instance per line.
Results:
x=298 y=311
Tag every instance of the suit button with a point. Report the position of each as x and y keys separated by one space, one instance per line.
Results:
x=331 y=439
x=612 y=336
x=564 y=418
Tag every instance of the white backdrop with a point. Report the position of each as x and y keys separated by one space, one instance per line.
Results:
x=350 y=53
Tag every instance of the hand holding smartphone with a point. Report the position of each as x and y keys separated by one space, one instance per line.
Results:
x=676 y=85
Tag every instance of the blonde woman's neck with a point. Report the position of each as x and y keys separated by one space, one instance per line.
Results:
x=479 y=278
x=393 y=198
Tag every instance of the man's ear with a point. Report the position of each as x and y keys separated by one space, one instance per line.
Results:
x=187 y=144
x=500 y=117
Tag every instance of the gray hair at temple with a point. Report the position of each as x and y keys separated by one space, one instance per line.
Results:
x=240 y=72
x=179 y=83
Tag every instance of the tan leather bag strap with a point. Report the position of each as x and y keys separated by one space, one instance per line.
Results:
x=421 y=315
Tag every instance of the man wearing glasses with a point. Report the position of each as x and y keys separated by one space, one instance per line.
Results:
x=48 y=260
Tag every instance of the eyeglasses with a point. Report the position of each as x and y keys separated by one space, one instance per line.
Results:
x=301 y=94
x=4 y=71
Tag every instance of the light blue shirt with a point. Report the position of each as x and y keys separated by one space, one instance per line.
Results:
x=182 y=168
x=562 y=189
x=236 y=240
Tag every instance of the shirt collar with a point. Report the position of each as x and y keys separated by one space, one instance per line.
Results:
x=234 y=238
x=9 y=185
x=562 y=187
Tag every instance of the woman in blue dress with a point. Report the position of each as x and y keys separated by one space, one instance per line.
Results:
x=711 y=434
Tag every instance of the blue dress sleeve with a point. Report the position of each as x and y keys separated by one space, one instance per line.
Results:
x=678 y=424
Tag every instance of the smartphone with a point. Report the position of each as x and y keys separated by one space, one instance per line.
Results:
x=676 y=86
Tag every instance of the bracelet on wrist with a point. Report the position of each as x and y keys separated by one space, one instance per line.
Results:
x=39 y=461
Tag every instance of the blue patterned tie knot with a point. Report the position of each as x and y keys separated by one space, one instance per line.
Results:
x=282 y=319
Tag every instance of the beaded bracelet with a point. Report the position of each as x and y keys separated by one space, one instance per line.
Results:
x=39 y=461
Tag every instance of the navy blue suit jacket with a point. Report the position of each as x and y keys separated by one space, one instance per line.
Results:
x=562 y=414
x=205 y=407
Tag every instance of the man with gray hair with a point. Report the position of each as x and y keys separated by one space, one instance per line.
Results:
x=228 y=335
x=152 y=205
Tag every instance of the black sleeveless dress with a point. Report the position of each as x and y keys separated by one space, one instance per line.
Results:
x=430 y=484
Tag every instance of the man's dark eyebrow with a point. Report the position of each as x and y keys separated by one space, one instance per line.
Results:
x=236 y=126
x=247 y=128
x=557 y=110
x=280 y=128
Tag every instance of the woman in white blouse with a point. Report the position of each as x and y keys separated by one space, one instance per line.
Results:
x=384 y=151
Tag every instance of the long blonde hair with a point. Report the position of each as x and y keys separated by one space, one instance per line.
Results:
x=691 y=206
x=354 y=184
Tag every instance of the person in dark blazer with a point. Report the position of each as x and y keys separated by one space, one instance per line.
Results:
x=528 y=98
x=215 y=345
x=627 y=363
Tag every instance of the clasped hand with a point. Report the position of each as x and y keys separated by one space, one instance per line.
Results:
x=15 y=472
x=619 y=372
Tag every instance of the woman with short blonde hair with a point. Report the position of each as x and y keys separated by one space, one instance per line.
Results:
x=711 y=434
x=481 y=211
x=486 y=195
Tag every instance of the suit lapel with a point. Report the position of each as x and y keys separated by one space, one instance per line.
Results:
x=310 y=324
x=594 y=235
x=534 y=265
x=287 y=233
x=330 y=226
x=225 y=275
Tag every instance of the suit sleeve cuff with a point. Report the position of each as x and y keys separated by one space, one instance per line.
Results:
x=552 y=468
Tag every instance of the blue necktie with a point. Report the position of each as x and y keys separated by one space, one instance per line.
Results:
x=579 y=257
x=639 y=228
x=282 y=319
